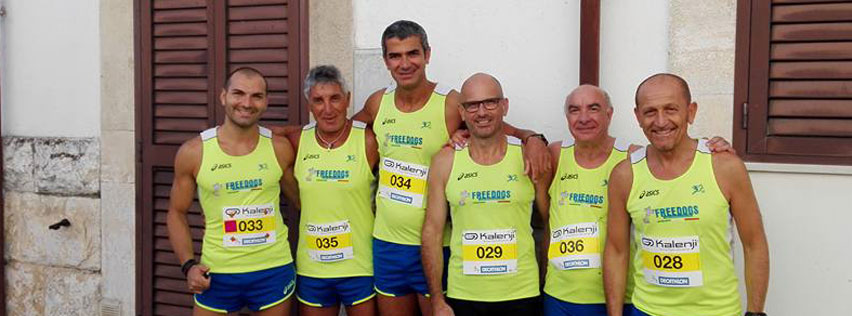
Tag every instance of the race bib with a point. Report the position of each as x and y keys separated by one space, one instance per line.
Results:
x=402 y=182
x=672 y=261
x=575 y=246
x=248 y=225
x=329 y=242
x=487 y=252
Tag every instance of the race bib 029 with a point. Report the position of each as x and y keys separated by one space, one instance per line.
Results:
x=575 y=246
x=402 y=182
x=330 y=242
x=248 y=225
x=489 y=252
x=672 y=261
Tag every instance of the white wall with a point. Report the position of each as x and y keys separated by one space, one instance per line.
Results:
x=51 y=68
x=634 y=45
x=533 y=49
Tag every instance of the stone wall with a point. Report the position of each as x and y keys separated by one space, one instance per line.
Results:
x=52 y=272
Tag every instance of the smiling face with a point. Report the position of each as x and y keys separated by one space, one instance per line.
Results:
x=664 y=112
x=483 y=106
x=588 y=113
x=244 y=99
x=328 y=104
x=406 y=60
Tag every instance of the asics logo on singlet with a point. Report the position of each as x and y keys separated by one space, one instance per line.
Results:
x=569 y=177
x=648 y=193
x=311 y=156
x=687 y=212
x=244 y=185
x=388 y=121
x=467 y=175
x=220 y=166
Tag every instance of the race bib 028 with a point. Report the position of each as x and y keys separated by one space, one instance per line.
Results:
x=575 y=246
x=672 y=261
x=330 y=242
x=248 y=225
x=402 y=182
x=488 y=252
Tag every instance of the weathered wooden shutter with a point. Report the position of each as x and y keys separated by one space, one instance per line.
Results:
x=794 y=81
x=185 y=50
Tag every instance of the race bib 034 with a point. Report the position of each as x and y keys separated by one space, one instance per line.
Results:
x=402 y=182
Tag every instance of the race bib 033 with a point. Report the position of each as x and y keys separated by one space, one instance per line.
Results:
x=248 y=225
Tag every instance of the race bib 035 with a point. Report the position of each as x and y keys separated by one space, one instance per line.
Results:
x=330 y=242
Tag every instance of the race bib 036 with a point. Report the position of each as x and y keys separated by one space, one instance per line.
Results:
x=575 y=246
x=402 y=182
x=672 y=261
x=248 y=225
x=488 y=252
x=330 y=242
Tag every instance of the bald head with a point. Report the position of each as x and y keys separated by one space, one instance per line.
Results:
x=480 y=81
x=587 y=91
x=665 y=79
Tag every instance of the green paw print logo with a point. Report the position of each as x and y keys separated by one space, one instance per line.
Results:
x=512 y=178
x=426 y=124
x=698 y=188
x=350 y=158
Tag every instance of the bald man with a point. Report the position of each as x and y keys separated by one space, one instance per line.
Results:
x=492 y=265
x=681 y=200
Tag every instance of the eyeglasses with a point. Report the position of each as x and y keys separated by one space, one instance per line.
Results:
x=489 y=104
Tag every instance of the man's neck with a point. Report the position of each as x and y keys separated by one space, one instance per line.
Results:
x=488 y=151
x=413 y=99
x=236 y=140
x=592 y=154
x=670 y=164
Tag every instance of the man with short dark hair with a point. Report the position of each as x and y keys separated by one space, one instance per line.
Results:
x=412 y=120
x=681 y=201
x=237 y=169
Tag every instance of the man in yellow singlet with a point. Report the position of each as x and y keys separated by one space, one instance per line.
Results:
x=237 y=169
x=412 y=120
x=492 y=267
x=681 y=201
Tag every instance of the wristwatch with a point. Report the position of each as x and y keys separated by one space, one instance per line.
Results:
x=755 y=314
x=539 y=136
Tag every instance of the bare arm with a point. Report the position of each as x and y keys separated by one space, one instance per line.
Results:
x=433 y=228
x=735 y=184
x=187 y=163
x=284 y=152
x=537 y=160
x=617 y=251
x=372 y=148
x=542 y=202
x=371 y=108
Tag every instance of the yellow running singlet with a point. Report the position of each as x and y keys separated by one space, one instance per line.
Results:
x=683 y=235
x=244 y=230
x=492 y=252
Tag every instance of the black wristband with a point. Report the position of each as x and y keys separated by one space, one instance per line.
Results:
x=755 y=314
x=540 y=136
x=187 y=265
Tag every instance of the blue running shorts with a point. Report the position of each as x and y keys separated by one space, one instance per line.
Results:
x=327 y=292
x=258 y=290
x=398 y=270
x=556 y=307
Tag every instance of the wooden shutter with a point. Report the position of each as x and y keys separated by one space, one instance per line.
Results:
x=793 y=90
x=185 y=50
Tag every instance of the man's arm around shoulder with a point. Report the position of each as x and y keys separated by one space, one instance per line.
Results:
x=617 y=250
x=733 y=180
x=433 y=228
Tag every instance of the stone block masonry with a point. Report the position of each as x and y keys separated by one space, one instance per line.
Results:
x=47 y=179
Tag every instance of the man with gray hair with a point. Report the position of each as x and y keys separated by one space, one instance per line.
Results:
x=333 y=176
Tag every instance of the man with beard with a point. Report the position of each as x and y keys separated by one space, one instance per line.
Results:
x=236 y=168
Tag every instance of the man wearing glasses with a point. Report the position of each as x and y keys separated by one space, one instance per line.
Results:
x=492 y=266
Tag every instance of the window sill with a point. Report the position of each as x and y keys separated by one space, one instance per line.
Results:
x=797 y=168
